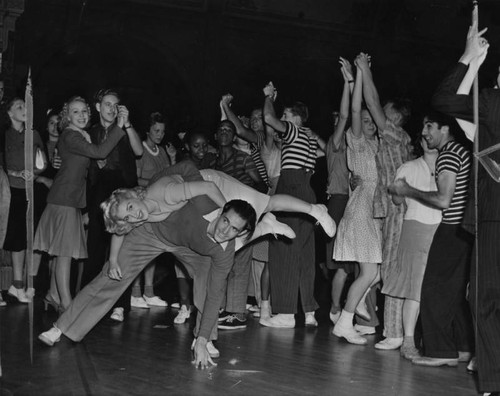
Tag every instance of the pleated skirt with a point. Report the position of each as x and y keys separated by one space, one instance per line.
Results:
x=60 y=232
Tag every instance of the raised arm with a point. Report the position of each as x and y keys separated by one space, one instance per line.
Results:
x=270 y=117
x=241 y=130
x=124 y=123
x=338 y=133
x=269 y=140
x=370 y=92
x=446 y=99
x=356 y=102
x=77 y=144
x=465 y=86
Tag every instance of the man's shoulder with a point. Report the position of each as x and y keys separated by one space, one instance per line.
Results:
x=238 y=154
x=456 y=148
x=454 y=152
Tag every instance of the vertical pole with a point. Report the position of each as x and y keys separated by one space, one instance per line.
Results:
x=475 y=96
x=28 y=166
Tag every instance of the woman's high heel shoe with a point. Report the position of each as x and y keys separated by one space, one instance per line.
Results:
x=48 y=300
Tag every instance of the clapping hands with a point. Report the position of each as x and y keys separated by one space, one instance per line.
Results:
x=346 y=69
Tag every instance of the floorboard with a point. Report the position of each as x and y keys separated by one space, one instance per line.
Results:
x=149 y=355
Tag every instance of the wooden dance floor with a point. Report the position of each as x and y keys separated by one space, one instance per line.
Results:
x=149 y=355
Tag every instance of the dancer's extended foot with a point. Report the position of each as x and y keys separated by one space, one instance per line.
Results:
x=320 y=213
x=269 y=225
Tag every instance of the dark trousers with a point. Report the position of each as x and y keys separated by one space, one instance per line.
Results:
x=485 y=304
x=446 y=318
x=292 y=261
x=98 y=239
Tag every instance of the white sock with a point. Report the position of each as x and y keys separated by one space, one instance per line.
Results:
x=346 y=318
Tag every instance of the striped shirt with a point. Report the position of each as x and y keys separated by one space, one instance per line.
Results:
x=238 y=165
x=255 y=153
x=299 y=148
x=453 y=157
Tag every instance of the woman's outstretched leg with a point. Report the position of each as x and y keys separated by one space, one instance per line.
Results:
x=287 y=203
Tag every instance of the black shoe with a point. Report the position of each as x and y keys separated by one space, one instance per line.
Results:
x=223 y=315
x=234 y=321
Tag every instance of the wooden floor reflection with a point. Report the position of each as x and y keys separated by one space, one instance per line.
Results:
x=149 y=355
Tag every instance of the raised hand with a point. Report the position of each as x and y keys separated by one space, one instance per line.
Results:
x=363 y=61
x=270 y=91
x=171 y=150
x=346 y=69
x=475 y=45
x=122 y=116
x=227 y=99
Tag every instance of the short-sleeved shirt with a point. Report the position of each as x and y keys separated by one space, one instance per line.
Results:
x=14 y=153
x=455 y=158
x=238 y=165
x=418 y=175
x=299 y=148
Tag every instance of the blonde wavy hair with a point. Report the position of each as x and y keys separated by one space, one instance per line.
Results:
x=63 y=115
x=112 y=222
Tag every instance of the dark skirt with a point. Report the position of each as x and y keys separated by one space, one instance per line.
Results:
x=15 y=239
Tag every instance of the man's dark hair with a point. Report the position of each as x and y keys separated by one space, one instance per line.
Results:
x=440 y=119
x=229 y=123
x=245 y=211
x=299 y=109
x=104 y=92
x=454 y=129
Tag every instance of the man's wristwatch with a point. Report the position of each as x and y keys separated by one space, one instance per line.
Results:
x=127 y=126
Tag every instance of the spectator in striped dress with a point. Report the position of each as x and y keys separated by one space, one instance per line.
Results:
x=292 y=262
x=446 y=320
